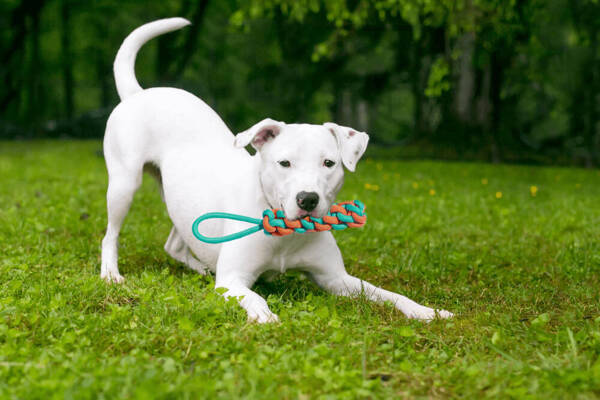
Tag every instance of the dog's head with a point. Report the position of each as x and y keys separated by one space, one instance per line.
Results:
x=301 y=165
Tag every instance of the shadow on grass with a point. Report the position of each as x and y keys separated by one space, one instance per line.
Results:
x=291 y=287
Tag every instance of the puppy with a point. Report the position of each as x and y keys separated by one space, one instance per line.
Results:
x=202 y=168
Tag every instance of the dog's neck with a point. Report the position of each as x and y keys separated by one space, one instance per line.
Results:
x=261 y=198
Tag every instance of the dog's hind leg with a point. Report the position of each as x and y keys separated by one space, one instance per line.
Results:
x=122 y=185
x=154 y=171
x=177 y=249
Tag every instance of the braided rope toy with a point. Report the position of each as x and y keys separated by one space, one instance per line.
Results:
x=274 y=223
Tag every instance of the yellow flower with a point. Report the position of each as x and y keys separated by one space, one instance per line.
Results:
x=431 y=192
x=415 y=185
x=533 y=190
x=498 y=195
x=374 y=188
x=484 y=181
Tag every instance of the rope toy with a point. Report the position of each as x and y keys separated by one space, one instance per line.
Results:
x=274 y=223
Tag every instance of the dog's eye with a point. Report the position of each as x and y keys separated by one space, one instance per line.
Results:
x=328 y=163
x=284 y=163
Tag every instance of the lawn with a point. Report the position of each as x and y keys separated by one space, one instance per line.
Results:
x=513 y=251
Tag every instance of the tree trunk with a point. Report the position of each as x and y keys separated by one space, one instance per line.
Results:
x=13 y=55
x=417 y=87
x=497 y=75
x=344 y=107
x=191 y=39
x=591 y=102
x=171 y=60
x=67 y=59
x=33 y=113
x=362 y=116
x=466 y=79
x=484 y=104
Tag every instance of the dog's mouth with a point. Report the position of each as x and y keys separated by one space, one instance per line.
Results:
x=303 y=214
x=300 y=215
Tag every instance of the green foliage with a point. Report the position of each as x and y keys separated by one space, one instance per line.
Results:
x=438 y=79
x=504 y=78
x=513 y=251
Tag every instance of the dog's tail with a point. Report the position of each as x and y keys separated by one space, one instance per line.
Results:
x=124 y=66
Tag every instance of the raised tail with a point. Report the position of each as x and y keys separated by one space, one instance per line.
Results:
x=124 y=66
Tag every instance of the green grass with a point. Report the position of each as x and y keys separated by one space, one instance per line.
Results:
x=520 y=272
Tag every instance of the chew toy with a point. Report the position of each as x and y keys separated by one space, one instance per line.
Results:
x=340 y=216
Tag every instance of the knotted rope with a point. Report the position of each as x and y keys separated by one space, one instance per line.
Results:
x=340 y=216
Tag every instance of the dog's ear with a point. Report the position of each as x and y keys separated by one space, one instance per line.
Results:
x=259 y=134
x=351 y=142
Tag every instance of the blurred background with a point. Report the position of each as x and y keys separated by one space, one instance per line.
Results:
x=493 y=80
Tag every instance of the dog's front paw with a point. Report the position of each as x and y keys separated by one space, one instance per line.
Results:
x=112 y=277
x=262 y=317
x=428 y=314
x=444 y=314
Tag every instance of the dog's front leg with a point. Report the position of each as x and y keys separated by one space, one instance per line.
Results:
x=254 y=304
x=328 y=271
x=347 y=285
x=237 y=273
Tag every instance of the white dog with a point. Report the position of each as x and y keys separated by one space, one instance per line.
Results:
x=202 y=168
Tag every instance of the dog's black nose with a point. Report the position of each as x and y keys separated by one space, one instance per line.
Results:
x=307 y=200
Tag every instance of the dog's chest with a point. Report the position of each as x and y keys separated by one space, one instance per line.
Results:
x=286 y=254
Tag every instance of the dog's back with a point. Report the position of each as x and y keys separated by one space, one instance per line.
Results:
x=145 y=122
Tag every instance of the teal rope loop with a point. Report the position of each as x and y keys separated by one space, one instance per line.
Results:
x=340 y=216
x=225 y=238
